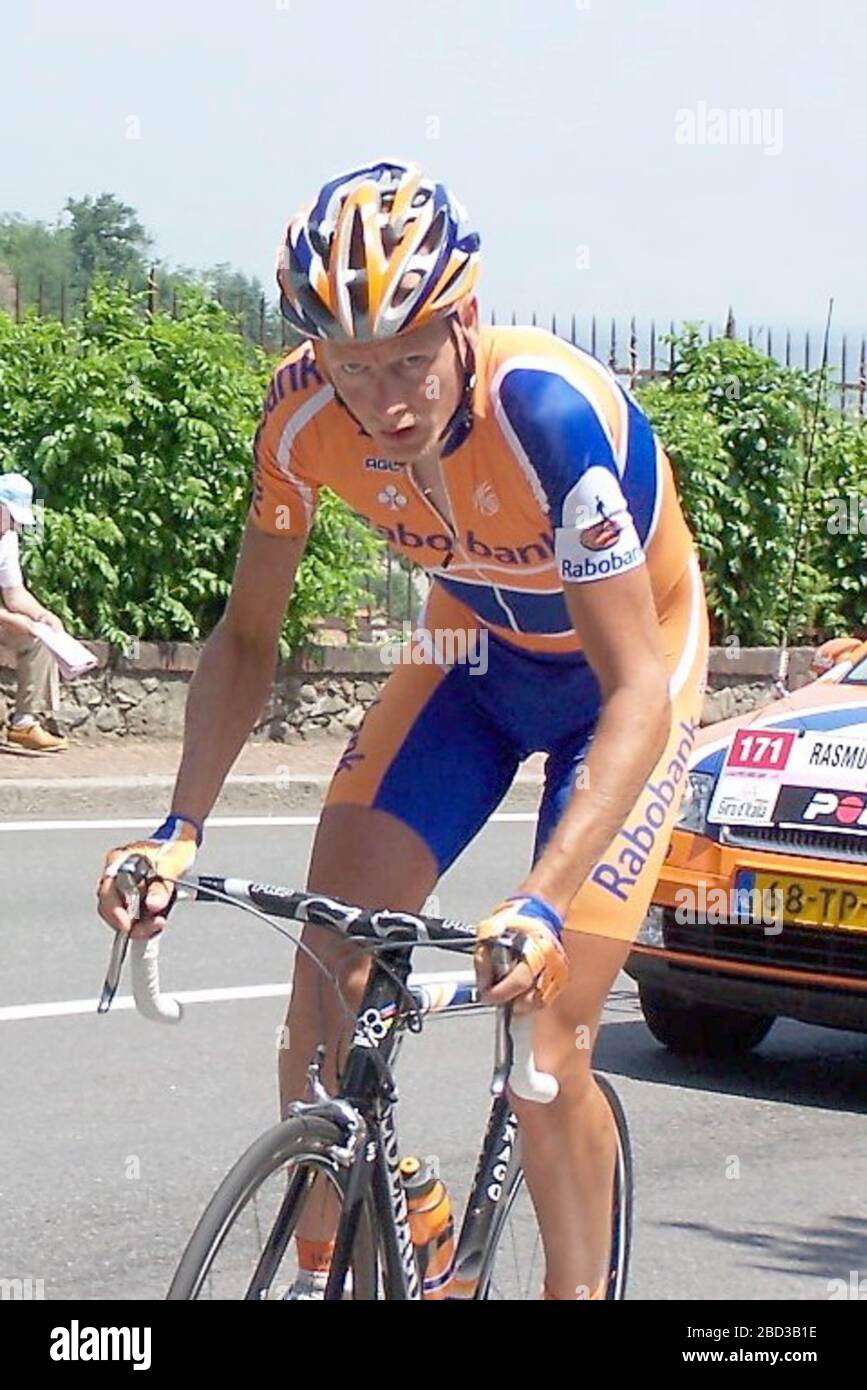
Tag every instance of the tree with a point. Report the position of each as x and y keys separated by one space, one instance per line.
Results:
x=106 y=238
x=36 y=256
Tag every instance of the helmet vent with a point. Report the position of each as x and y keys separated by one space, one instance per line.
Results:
x=366 y=260
x=321 y=245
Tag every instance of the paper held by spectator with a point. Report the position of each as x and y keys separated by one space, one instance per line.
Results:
x=72 y=657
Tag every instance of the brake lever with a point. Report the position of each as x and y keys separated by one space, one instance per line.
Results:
x=132 y=879
x=502 y=961
x=113 y=974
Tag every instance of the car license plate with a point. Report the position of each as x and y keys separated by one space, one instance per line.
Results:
x=811 y=902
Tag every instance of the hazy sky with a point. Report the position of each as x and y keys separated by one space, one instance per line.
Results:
x=597 y=144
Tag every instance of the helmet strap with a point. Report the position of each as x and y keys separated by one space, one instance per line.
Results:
x=458 y=427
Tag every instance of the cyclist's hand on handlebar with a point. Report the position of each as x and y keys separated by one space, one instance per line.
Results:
x=542 y=970
x=171 y=858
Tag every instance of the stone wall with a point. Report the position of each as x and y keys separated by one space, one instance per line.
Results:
x=324 y=692
x=741 y=679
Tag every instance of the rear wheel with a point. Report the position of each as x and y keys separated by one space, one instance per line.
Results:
x=701 y=1030
x=514 y=1265
x=243 y=1246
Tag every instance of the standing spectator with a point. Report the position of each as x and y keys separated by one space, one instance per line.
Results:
x=38 y=690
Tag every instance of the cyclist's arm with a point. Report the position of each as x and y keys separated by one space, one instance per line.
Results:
x=236 y=668
x=625 y=652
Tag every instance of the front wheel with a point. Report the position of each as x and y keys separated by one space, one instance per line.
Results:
x=514 y=1264
x=243 y=1246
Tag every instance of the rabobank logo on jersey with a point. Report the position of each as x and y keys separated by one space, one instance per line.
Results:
x=597 y=535
x=599 y=566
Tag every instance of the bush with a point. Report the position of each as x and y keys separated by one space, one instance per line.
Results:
x=137 y=434
x=736 y=425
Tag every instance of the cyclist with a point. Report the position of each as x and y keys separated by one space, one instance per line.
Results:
x=531 y=487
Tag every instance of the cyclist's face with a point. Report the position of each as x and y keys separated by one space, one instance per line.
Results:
x=403 y=391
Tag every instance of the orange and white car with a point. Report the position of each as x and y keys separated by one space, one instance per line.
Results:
x=761 y=908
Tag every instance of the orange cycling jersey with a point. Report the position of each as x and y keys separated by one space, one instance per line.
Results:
x=560 y=479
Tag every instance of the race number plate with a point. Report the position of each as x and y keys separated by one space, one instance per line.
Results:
x=749 y=784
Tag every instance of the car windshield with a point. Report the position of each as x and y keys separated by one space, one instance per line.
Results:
x=858 y=674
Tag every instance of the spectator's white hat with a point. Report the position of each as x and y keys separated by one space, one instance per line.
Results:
x=16 y=493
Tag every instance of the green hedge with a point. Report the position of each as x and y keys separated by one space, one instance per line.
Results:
x=736 y=425
x=137 y=434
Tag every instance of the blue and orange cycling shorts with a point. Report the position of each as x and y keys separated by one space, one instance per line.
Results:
x=440 y=747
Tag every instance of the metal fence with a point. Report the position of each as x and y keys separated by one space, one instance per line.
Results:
x=252 y=315
x=641 y=354
x=637 y=352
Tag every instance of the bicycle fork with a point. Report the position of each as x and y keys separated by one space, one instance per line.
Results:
x=371 y=1159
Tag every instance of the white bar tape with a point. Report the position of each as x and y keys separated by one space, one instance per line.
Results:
x=525 y=1080
x=160 y=1008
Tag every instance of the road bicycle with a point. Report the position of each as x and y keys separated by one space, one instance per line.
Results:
x=346 y=1145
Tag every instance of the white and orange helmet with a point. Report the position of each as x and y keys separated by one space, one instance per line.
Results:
x=383 y=249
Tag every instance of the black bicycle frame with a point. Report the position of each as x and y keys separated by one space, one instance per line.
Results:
x=367 y=1084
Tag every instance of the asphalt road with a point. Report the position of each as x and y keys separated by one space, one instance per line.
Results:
x=116 y=1131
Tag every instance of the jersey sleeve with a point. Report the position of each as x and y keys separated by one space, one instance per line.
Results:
x=284 y=495
x=566 y=444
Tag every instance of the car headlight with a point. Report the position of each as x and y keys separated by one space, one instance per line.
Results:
x=651 y=931
x=696 y=800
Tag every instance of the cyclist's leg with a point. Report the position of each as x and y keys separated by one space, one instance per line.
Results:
x=413 y=787
x=421 y=777
x=568 y=1146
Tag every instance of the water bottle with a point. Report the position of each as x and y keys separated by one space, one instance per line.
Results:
x=431 y=1224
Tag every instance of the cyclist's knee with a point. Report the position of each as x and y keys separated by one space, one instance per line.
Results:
x=372 y=858
x=576 y=1089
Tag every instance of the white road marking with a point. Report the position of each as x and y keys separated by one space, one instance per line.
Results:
x=215 y=823
x=15 y=1013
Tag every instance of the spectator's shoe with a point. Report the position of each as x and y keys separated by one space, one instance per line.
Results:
x=35 y=739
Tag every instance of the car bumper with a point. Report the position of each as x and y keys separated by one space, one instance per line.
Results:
x=815 y=974
x=707 y=983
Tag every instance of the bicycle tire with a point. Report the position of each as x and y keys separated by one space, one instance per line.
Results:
x=300 y=1143
x=621 y=1211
